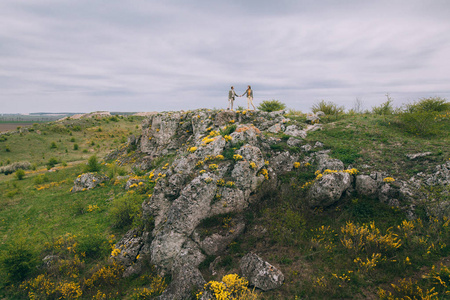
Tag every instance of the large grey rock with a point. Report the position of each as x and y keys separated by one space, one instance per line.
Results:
x=186 y=281
x=294 y=142
x=440 y=176
x=295 y=131
x=417 y=155
x=328 y=189
x=245 y=133
x=283 y=162
x=312 y=118
x=260 y=273
x=366 y=186
x=276 y=128
x=87 y=181
x=185 y=213
x=216 y=243
x=325 y=162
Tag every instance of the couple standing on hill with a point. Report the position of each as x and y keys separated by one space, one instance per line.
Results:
x=232 y=95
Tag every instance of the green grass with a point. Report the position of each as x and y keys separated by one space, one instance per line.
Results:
x=378 y=142
x=55 y=140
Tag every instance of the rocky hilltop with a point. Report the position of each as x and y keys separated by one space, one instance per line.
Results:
x=221 y=162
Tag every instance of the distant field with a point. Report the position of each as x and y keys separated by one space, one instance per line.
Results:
x=12 y=126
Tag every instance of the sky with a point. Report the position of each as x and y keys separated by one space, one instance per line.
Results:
x=90 y=55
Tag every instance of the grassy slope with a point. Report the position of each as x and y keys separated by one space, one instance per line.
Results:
x=305 y=244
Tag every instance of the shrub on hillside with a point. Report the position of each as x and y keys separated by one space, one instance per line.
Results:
x=385 y=108
x=125 y=210
x=271 y=105
x=51 y=163
x=20 y=174
x=18 y=261
x=93 y=246
x=329 y=108
x=420 y=123
x=432 y=104
x=92 y=165
x=114 y=170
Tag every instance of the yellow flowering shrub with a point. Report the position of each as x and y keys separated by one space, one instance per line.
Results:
x=206 y=140
x=407 y=289
x=92 y=208
x=368 y=238
x=156 y=286
x=296 y=165
x=43 y=287
x=237 y=157
x=388 y=179
x=220 y=157
x=213 y=167
x=230 y=184
x=265 y=173
x=231 y=287
x=107 y=275
x=227 y=138
x=214 y=133
x=192 y=149
x=220 y=182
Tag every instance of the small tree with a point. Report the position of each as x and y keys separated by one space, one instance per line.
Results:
x=20 y=174
x=92 y=165
x=271 y=105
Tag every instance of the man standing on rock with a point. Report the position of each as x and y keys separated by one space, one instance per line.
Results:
x=231 y=96
x=249 y=93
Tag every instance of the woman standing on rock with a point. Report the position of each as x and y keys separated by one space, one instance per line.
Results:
x=249 y=93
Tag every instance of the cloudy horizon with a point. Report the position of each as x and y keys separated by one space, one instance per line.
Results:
x=82 y=56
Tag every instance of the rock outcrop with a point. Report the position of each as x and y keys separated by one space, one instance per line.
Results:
x=260 y=273
x=87 y=181
x=220 y=163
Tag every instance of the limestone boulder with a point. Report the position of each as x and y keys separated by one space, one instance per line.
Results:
x=294 y=142
x=329 y=189
x=185 y=282
x=276 y=128
x=366 y=185
x=293 y=130
x=260 y=273
x=325 y=162
x=87 y=181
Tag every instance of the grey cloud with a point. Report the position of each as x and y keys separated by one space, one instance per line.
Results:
x=84 y=55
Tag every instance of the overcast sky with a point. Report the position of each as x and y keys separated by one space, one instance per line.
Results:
x=88 y=55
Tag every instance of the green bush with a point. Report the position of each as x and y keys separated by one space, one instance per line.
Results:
x=92 y=165
x=20 y=174
x=420 y=123
x=51 y=163
x=93 y=246
x=19 y=261
x=433 y=104
x=75 y=146
x=40 y=179
x=125 y=211
x=271 y=105
x=53 y=145
x=329 y=108
x=385 y=108
x=114 y=170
